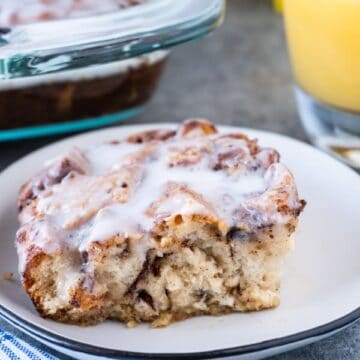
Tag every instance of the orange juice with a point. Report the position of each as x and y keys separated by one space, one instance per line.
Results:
x=324 y=42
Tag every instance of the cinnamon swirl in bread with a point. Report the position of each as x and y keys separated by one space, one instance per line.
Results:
x=158 y=227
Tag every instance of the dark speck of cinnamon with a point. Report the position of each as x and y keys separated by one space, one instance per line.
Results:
x=238 y=234
x=75 y=302
x=155 y=267
x=21 y=237
x=146 y=297
x=301 y=208
x=85 y=257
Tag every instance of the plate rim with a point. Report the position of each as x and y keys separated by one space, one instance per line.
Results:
x=59 y=340
x=319 y=331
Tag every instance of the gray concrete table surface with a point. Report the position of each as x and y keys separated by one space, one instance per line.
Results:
x=240 y=76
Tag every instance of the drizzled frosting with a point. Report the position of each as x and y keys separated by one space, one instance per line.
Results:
x=127 y=188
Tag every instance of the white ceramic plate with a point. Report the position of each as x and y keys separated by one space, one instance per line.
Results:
x=320 y=290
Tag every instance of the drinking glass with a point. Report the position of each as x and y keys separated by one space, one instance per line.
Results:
x=324 y=45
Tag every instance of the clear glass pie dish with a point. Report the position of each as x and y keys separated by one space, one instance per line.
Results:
x=77 y=73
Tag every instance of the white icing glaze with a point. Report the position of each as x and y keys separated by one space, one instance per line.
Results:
x=109 y=222
x=87 y=73
x=104 y=157
x=82 y=208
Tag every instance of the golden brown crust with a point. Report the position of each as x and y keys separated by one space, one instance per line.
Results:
x=196 y=127
x=151 y=135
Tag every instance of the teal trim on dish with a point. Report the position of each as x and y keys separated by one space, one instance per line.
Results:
x=72 y=126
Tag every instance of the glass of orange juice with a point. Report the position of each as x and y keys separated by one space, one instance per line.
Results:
x=324 y=45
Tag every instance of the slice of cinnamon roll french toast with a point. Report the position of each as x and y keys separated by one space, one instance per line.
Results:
x=158 y=227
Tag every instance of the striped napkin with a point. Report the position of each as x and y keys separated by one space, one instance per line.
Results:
x=13 y=348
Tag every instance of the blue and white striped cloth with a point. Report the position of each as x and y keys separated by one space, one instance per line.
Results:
x=13 y=348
